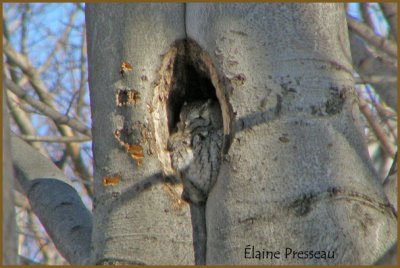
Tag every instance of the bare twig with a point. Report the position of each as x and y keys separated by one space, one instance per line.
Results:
x=366 y=14
x=24 y=28
x=60 y=42
x=376 y=128
x=46 y=110
x=46 y=102
x=375 y=69
x=10 y=64
x=83 y=74
x=40 y=241
x=377 y=78
x=54 y=139
x=28 y=69
x=368 y=34
x=22 y=119
x=390 y=12
x=383 y=114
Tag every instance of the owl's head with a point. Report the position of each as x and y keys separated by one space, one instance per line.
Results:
x=195 y=114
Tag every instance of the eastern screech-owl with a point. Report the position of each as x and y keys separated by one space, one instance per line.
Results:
x=195 y=148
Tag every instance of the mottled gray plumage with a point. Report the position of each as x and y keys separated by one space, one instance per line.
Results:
x=196 y=148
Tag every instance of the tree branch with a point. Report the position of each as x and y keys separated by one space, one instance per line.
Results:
x=64 y=216
x=9 y=239
x=54 y=139
x=377 y=129
x=34 y=78
x=390 y=12
x=24 y=28
x=366 y=15
x=61 y=41
x=28 y=69
x=367 y=63
x=46 y=110
x=56 y=203
x=22 y=119
x=83 y=76
x=368 y=34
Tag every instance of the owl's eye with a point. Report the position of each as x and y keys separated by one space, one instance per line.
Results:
x=186 y=141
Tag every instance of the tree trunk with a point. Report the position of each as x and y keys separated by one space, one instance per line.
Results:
x=55 y=202
x=10 y=249
x=297 y=176
x=137 y=216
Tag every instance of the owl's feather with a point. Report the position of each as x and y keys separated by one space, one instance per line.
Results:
x=196 y=147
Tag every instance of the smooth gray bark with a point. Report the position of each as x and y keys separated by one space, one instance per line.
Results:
x=390 y=184
x=135 y=221
x=64 y=216
x=10 y=249
x=54 y=201
x=298 y=174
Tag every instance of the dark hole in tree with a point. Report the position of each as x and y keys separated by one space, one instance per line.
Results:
x=190 y=84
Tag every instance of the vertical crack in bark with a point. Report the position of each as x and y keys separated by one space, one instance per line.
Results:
x=185 y=18
x=198 y=215
x=189 y=80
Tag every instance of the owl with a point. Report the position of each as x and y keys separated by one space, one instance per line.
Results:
x=195 y=148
